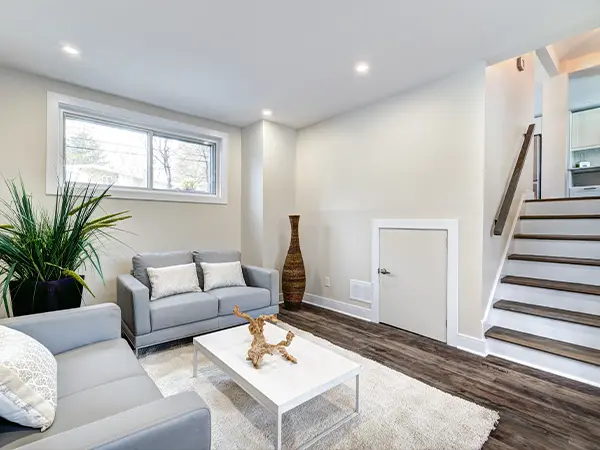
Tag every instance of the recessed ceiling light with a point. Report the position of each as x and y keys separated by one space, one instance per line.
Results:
x=70 y=50
x=362 y=68
x=267 y=112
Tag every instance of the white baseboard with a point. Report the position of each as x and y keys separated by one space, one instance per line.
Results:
x=337 y=306
x=471 y=344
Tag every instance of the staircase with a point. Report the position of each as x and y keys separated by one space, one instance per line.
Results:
x=546 y=311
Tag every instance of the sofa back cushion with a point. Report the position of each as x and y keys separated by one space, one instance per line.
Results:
x=142 y=261
x=213 y=256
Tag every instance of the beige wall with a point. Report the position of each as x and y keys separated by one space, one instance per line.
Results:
x=252 y=194
x=555 y=119
x=416 y=155
x=268 y=178
x=279 y=196
x=155 y=226
x=509 y=105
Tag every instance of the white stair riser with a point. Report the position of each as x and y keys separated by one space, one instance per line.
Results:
x=564 y=207
x=576 y=249
x=546 y=297
x=549 y=328
x=558 y=365
x=557 y=272
x=559 y=226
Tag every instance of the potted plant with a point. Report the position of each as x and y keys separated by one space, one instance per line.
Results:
x=41 y=252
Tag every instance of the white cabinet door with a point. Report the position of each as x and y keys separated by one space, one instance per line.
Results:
x=412 y=280
x=585 y=129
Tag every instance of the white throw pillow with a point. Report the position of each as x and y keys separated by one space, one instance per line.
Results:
x=218 y=275
x=173 y=280
x=27 y=380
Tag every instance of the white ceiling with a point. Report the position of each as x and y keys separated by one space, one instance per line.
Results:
x=228 y=59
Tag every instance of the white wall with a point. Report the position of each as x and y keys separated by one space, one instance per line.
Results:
x=155 y=226
x=279 y=191
x=268 y=179
x=509 y=109
x=555 y=120
x=252 y=194
x=416 y=155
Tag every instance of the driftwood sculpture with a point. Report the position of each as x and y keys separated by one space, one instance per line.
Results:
x=260 y=347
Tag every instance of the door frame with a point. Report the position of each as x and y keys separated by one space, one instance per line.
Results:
x=451 y=227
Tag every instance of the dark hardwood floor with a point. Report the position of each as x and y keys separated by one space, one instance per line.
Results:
x=537 y=410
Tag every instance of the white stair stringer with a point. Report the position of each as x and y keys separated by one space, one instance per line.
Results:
x=558 y=365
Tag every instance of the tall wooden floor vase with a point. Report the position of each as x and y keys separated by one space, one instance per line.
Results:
x=294 y=277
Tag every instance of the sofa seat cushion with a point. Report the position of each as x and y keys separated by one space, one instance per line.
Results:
x=86 y=406
x=181 y=309
x=94 y=365
x=246 y=297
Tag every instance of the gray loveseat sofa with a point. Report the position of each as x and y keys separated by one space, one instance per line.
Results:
x=147 y=323
x=105 y=398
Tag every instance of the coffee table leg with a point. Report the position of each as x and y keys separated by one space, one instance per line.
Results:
x=357 y=393
x=279 y=416
x=195 y=361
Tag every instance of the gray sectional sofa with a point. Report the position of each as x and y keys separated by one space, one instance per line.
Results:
x=105 y=398
x=147 y=323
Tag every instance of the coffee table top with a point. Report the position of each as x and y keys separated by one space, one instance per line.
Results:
x=278 y=384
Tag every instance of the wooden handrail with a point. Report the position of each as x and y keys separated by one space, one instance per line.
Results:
x=509 y=194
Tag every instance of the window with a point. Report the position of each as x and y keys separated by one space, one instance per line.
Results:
x=142 y=156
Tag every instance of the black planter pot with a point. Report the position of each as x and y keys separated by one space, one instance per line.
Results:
x=31 y=297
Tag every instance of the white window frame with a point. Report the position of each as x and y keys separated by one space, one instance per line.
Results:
x=58 y=105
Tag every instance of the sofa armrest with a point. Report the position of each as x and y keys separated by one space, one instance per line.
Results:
x=134 y=299
x=61 y=331
x=179 y=422
x=263 y=278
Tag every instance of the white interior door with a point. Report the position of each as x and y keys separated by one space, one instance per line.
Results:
x=412 y=280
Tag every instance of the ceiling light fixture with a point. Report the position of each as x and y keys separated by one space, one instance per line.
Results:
x=267 y=112
x=362 y=68
x=70 y=50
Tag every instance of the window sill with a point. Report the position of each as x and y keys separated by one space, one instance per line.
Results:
x=120 y=193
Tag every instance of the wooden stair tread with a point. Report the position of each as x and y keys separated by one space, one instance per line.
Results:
x=556 y=259
x=554 y=347
x=561 y=199
x=559 y=216
x=578 y=288
x=559 y=237
x=549 y=313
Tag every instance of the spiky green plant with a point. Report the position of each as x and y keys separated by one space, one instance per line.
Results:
x=39 y=246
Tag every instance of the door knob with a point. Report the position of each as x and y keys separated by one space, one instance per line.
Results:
x=383 y=271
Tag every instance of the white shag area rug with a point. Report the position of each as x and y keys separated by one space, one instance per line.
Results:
x=397 y=412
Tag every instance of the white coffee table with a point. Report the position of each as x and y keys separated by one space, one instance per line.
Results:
x=278 y=384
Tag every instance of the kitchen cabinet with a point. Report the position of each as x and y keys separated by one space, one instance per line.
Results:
x=585 y=129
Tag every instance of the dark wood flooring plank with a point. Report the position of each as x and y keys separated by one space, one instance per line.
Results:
x=565 y=349
x=561 y=199
x=556 y=259
x=559 y=237
x=549 y=313
x=559 y=216
x=577 y=288
x=538 y=410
